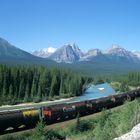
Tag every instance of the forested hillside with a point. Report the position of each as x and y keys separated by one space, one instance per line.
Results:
x=24 y=84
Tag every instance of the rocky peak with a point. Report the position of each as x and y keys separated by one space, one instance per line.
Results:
x=67 y=53
x=118 y=51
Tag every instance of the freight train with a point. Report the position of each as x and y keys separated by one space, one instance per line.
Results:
x=50 y=114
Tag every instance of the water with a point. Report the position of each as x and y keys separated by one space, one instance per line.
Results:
x=96 y=91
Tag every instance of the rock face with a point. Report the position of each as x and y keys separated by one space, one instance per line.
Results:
x=134 y=134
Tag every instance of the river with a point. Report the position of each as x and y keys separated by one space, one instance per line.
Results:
x=96 y=91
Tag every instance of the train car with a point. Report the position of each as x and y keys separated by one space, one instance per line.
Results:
x=10 y=119
x=57 y=112
x=31 y=117
x=81 y=108
x=16 y=118
x=52 y=112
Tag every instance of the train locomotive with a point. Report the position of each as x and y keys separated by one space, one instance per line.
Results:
x=53 y=113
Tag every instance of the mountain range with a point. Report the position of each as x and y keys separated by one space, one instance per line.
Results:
x=71 y=54
x=116 y=59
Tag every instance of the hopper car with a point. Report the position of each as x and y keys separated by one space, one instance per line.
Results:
x=60 y=112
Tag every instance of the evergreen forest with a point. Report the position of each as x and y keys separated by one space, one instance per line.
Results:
x=25 y=84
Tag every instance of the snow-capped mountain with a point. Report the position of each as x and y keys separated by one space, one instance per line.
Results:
x=118 y=53
x=67 y=53
x=44 y=52
x=117 y=50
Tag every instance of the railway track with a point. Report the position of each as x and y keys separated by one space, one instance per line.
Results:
x=27 y=118
x=55 y=125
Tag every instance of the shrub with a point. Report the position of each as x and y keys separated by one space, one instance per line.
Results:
x=53 y=135
x=81 y=126
x=39 y=133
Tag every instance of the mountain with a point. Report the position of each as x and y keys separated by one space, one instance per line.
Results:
x=119 y=54
x=67 y=53
x=9 y=54
x=92 y=55
x=45 y=52
x=8 y=50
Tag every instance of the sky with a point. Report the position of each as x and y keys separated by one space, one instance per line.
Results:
x=34 y=24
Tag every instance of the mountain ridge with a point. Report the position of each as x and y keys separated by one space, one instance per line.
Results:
x=74 y=54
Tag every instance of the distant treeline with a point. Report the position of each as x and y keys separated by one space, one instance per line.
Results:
x=24 y=84
x=132 y=78
x=129 y=79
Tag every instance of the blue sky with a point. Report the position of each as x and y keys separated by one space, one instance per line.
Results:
x=33 y=24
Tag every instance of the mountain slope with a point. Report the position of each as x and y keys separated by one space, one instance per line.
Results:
x=8 y=50
x=12 y=55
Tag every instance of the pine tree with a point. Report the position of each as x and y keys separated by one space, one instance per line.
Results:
x=27 y=92
x=54 y=90
x=11 y=92
x=39 y=133
x=21 y=90
x=39 y=95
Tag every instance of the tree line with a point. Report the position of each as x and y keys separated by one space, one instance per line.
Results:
x=131 y=79
x=25 y=84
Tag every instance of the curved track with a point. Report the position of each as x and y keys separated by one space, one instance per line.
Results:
x=24 y=119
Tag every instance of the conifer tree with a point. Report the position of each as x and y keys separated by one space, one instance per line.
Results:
x=11 y=92
x=27 y=92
